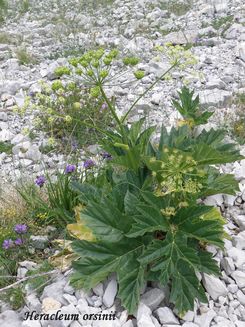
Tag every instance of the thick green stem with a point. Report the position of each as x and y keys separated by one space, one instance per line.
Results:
x=112 y=110
x=146 y=91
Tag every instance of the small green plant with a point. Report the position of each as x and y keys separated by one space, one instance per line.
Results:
x=146 y=219
x=179 y=8
x=189 y=108
x=63 y=110
x=37 y=284
x=223 y=22
x=6 y=147
x=238 y=125
x=24 y=6
x=50 y=199
x=3 y=8
x=14 y=296
x=5 y=38
x=24 y=57
x=13 y=248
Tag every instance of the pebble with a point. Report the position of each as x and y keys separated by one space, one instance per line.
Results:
x=166 y=316
x=153 y=298
x=214 y=286
x=110 y=293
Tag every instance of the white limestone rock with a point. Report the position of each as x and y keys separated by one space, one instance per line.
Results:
x=239 y=277
x=166 y=316
x=238 y=257
x=6 y=135
x=241 y=297
x=205 y=319
x=110 y=293
x=214 y=286
x=153 y=298
x=239 y=240
x=228 y=265
x=10 y=318
x=49 y=304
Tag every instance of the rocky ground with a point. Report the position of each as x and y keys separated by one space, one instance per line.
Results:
x=216 y=28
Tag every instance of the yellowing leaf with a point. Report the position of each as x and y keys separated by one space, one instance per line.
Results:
x=62 y=261
x=64 y=258
x=188 y=122
x=80 y=232
x=77 y=211
x=214 y=214
x=64 y=244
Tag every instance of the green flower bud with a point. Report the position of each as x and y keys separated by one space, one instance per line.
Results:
x=76 y=105
x=62 y=71
x=79 y=71
x=139 y=74
x=90 y=73
x=50 y=120
x=57 y=85
x=95 y=91
x=95 y=63
x=113 y=53
x=130 y=61
x=107 y=60
x=68 y=119
x=104 y=73
x=73 y=62
x=61 y=100
x=71 y=86
x=51 y=141
x=99 y=54
x=84 y=63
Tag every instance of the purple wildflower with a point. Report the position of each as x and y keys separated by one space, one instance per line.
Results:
x=21 y=228
x=103 y=107
x=88 y=163
x=70 y=169
x=106 y=155
x=74 y=146
x=40 y=181
x=7 y=244
x=18 y=241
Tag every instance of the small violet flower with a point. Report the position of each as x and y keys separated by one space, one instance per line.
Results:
x=40 y=181
x=106 y=155
x=74 y=146
x=18 y=241
x=21 y=228
x=103 y=107
x=70 y=169
x=7 y=244
x=88 y=163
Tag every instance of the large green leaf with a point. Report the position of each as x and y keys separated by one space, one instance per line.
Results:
x=208 y=264
x=154 y=251
x=206 y=155
x=180 y=138
x=149 y=220
x=209 y=231
x=135 y=130
x=98 y=260
x=191 y=221
x=217 y=184
x=106 y=221
x=131 y=280
x=176 y=261
x=86 y=192
x=185 y=287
